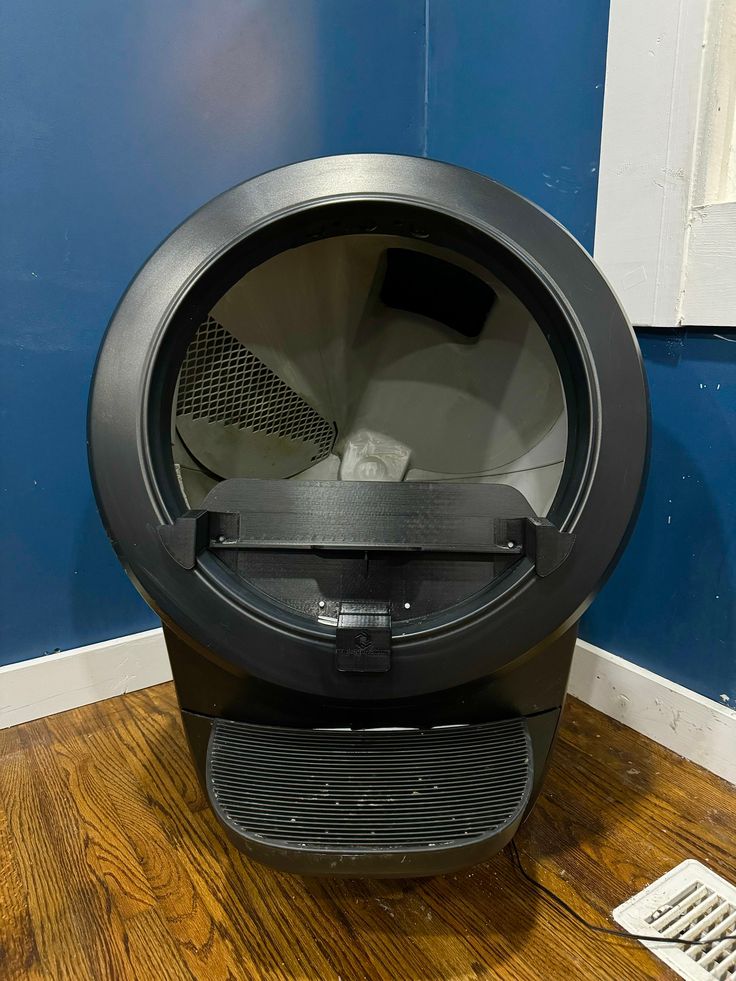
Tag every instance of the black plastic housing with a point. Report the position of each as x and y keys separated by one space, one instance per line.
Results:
x=501 y=654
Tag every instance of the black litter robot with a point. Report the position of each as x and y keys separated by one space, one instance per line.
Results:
x=368 y=433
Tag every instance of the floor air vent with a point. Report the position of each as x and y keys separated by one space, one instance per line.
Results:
x=689 y=903
x=385 y=798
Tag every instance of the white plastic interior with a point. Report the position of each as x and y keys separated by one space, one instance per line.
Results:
x=411 y=399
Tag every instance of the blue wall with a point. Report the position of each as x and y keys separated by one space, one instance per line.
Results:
x=670 y=605
x=123 y=118
x=516 y=92
x=120 y=120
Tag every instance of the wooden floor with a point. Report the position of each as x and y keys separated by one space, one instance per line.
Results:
x=112 y=866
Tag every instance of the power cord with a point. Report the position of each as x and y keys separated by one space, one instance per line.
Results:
x=622 y=934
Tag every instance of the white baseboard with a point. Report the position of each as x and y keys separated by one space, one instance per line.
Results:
x=695 y=727
x=57 y=682
x=691 y=725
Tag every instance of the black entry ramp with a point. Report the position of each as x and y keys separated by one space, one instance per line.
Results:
x=362 y=516
x=370 y=802
x=380 y=515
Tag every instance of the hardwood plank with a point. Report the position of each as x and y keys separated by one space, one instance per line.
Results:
x=179 y=888
x=151 y=949
x=108 y=851
x=18 y=950
x=75 y=929
x=113 y=866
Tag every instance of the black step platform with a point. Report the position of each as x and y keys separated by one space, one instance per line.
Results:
x=370 y=802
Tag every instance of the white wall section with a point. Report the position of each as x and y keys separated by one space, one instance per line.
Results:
x=691 y=725
x=57 y=682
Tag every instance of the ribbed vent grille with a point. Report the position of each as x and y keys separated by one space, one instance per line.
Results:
x=369 y=790
x=689 y=903
x=222 y=381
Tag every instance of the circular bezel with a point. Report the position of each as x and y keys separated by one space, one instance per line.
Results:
x=599 y=362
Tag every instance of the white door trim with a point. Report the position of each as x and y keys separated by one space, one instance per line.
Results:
x=652 y=96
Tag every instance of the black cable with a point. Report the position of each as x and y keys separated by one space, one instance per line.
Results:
x=622 y=934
